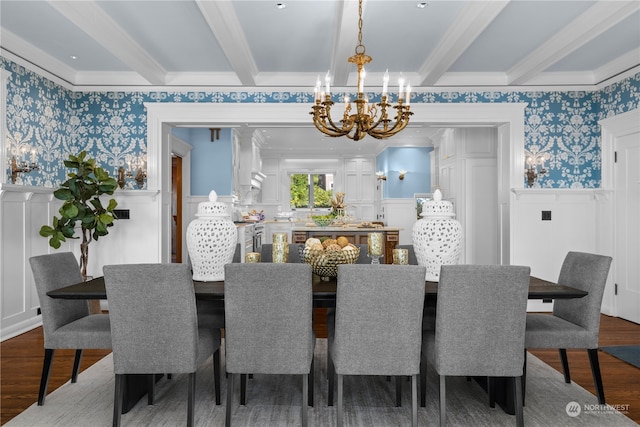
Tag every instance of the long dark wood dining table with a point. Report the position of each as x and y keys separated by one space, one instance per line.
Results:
x=324 y=292
x=324 y=295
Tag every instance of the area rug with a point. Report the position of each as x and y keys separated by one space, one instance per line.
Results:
x=275 y=401
x=626 y=353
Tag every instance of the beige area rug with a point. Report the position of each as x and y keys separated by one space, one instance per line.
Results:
x=275 y=401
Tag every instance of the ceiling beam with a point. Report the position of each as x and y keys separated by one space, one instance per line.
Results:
x=345 y=40
x=594 y=21
x=225 y=26
x=97 y=24
x=469 y=24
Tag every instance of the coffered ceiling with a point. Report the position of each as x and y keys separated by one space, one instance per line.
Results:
x=257 y=45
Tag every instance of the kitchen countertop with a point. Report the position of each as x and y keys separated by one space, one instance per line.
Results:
x=343 y=228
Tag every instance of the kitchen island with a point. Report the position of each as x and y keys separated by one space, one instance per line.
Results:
x=355 y=235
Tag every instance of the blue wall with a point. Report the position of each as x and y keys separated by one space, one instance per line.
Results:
x=415 y=160
x=211 y=162
x=111 y=125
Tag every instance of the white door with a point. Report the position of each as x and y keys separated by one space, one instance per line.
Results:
x=627 y=250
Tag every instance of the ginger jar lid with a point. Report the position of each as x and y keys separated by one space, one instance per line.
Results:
x=437 y=208
x=213 y=208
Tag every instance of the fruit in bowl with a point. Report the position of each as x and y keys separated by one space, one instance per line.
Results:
x=324 y=257
x=322 y=220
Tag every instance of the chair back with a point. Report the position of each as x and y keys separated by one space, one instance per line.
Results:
x=378 y=329
x=50 y=272
x=480 y=320
x=268 y=318
x=363 y=258
x=587 y=272
x=153 y=318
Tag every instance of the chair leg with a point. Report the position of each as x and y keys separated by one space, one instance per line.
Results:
x=151 y=379
x=595 y=371
x=398 y=391
x=44 y=378
x=491 y=391
x=423 y=381
x=565 y=365
x=305 y=394
x=76 y=365
x=310 y=385
x=414 y=400
x=517 y=399
x=216 y=375
x=340 y=397
x=524 y=377
x=243 y=389
x=117 y=399
x=443 y=403
x=331 y=373
x=191 y=399
x=227 y=419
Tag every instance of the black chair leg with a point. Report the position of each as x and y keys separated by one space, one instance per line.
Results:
x=443 y=403
x=423 y=381
x=46 y=370
x=216 y=376
x=243 y=389
x=76 y=365
x=517 y=399
x=524 y=377
x=398 y=391
x=595 y=371
x=191 y=399
x=565 y=365
x=331 y=373
x=117 y=399
x=151 y=380
x=310 y=392
x=491 y=391
x=227 y=419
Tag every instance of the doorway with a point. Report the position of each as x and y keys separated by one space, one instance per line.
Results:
x=176 y=209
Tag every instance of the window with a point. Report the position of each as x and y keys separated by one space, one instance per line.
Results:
x=311 y=190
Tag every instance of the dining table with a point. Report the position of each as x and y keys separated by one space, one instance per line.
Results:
x=324 y=296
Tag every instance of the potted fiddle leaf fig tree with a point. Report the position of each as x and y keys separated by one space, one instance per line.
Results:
x=81 y=195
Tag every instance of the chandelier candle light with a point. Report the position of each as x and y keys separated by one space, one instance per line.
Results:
x=369 y=119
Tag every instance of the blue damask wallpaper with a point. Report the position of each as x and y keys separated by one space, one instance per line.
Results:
x=561 y=127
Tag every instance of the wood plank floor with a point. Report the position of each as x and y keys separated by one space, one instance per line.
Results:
x=21 y=365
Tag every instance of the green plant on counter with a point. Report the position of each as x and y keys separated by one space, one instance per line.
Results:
x=81 y=195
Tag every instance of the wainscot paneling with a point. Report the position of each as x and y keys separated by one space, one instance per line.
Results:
x=575 y=225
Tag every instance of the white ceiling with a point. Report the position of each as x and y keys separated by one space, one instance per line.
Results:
x=225 y=45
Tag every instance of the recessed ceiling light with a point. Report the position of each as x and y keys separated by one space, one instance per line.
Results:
x=422 y=4
x=280 y=5
x=74 y=57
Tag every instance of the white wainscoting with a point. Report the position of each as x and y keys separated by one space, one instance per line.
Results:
x=25 y=209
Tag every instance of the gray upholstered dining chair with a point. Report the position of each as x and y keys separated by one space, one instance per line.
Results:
x=66 y=323
x=154 y=327
x=480 y=321
x=269 y=328
x=575 y=323
x=388 y=299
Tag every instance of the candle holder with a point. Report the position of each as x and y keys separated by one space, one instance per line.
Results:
x=401 y=256
x=375 y=244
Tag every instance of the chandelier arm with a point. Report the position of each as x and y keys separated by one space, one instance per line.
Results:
x=401 y=122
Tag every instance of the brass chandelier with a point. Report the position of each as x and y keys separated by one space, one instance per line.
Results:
x=368 y=119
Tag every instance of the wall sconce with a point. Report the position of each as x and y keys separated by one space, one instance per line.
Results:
x=380 y=176
x=136 y=170
x=402 y=174
x=531 y=172
x=20 y=165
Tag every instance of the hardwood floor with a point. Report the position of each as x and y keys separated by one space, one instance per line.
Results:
x=21 y=366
